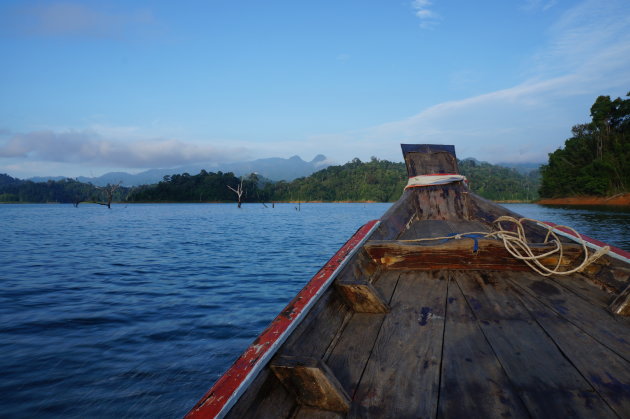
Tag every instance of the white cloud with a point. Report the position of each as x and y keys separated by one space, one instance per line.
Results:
x=544 y=5
x=89 y=147
x=588 y=55
x=428 y=18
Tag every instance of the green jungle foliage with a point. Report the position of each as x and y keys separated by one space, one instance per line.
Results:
x=376 y=180
x=63 y=191
x=204 y=187
x=596 y=159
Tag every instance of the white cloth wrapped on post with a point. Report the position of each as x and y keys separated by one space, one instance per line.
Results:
x=434 y=179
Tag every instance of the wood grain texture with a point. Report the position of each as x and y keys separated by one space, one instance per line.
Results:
x=607 y=372
x=546 y=381
x=265 y=398
x=312 y=382
x=361 y=297
x=458 y=254
x=427 y=229
x=310 y=339
x=473 y=383
x=585 y=288
x=305 y=412
x=442 y=202
x=596 y=321
x=401 y=378
x=351 y=352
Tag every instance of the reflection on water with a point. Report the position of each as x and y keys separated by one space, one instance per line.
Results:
x=135 y=311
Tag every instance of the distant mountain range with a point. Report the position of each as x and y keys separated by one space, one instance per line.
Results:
x=522 y=168
x=274 y=168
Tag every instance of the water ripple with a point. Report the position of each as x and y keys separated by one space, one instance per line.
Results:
x=137 y=310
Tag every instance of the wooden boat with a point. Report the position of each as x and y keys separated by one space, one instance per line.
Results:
x=398 y=326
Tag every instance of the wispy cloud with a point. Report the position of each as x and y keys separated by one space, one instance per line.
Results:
x=544 y=5
x=428 y=18
x=587 y=55
x=90 y=148
x=74 y=19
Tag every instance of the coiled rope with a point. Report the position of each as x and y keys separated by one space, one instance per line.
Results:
x=516 y=243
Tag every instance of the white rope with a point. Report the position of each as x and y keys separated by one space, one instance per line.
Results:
x=436 y=179
x=517 y=245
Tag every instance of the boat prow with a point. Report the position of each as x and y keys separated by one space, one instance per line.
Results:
x=427 y=313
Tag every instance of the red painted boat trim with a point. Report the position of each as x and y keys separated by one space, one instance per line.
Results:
x=224 y=393
x=622 y=254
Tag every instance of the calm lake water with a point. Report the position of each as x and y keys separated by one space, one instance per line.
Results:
x=137 y=310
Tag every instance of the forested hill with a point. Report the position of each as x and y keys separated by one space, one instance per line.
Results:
x=596 y=159
x=65 y=190
x=376 y=180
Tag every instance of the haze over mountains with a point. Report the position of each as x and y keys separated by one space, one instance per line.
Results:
x=274 y=168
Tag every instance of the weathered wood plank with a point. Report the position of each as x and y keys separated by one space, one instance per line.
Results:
x=547 y=383
x=583 y=287
x=352 y=350
x=430 y=161
x=442 y=202
x=427 y=229
x=458 y=254
x=386 y=282
x=591 y=319
x=311 y=381
x=265 y=398
x=466 y=226
x=606 y=371
x=401 y=378
x=393 y=222
x=361 y=296
x=305 y=412
x=310 y=338
x=473 y=383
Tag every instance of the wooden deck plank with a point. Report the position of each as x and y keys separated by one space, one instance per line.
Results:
x=352 y=350
x=467 y=226
x=594 y=320
x=548 y=384
x=606 y=371
x=401 y=378
x=310 y=339
x=427 y=228
x=268 y=399
x=473 y=382
x=585 y=288
x=306 y=412
x=386 y=282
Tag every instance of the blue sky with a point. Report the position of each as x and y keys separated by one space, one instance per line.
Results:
x=88 y=87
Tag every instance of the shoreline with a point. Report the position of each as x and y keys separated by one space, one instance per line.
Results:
x=622 y=199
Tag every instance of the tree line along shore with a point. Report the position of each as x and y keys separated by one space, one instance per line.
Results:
x=591 y=168
x=356 y=181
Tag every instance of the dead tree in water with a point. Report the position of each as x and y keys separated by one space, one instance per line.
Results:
x=238 y=191
x=109 y=191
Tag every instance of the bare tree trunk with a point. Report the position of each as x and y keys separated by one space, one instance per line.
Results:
x=238 y=191
x=109 y=190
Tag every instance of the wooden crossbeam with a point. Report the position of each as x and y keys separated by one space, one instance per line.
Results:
x=312 y=382
x=459 y=254
x=361 y=296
